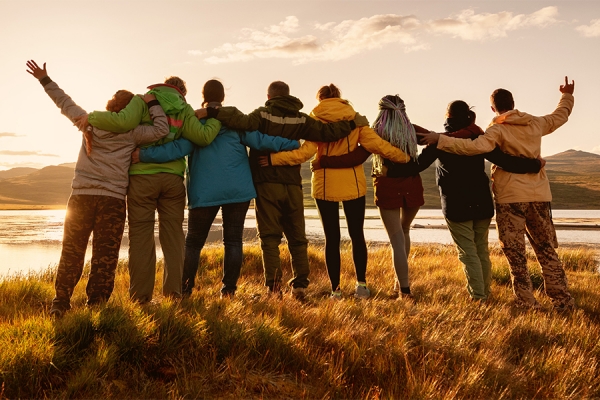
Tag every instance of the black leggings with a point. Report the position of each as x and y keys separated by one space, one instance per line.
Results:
x=329 y=211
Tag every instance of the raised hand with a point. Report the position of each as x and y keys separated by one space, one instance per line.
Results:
x=567 y=87
x=35 y=70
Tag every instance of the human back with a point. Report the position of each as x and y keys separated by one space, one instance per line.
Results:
x=337 y=184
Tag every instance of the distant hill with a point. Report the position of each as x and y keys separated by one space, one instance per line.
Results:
x=11 y=173
x=47 y=186
x=574 y=180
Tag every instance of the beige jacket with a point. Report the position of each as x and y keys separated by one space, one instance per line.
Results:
x=519 y=134
x=339 y=184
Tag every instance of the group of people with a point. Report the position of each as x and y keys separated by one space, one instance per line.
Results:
x=159 y=129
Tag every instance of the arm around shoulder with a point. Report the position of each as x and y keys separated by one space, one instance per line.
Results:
x=121 y=122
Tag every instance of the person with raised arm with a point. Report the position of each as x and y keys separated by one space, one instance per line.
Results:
x=464 y=192
x=522 y=200
x=157 y=187
x=97 y=201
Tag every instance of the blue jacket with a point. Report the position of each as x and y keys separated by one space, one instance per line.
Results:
x=220 y=172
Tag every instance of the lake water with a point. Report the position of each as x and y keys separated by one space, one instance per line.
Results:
x=31 y=240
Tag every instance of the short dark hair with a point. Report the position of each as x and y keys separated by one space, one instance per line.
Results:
x=459 y=109
x=502 y=100
x=278 y=88
x=213 y=91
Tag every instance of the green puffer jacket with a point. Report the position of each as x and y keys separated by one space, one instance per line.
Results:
x=182 y=123
x=281 y=116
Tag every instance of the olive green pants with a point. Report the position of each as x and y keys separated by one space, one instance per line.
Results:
x=280 y=210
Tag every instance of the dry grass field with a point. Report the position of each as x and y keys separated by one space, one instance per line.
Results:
x=442 y=346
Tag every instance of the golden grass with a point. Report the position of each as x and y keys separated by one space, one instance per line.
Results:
x=442 y=346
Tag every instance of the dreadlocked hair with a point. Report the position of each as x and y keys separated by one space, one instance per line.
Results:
x=392 y=124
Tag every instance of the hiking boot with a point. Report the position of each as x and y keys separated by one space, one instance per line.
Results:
x=362 y=291
x=564 y=308
x=56 y=313
x=298 y=294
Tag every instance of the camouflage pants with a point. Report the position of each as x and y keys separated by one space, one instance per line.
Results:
x=105 y=217
x=514 y=221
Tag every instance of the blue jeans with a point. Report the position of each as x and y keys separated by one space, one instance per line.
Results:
x=200 y=220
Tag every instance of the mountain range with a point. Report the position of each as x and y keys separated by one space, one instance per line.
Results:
x=574 y=179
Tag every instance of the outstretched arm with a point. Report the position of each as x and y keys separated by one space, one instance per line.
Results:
x=167 y=152
x=259 y=141
x=349 y=160
x=121 y=122
x=561 y=114
x=514 y=164
x=63 y=101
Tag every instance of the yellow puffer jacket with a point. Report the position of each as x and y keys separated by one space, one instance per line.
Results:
x=343 y=183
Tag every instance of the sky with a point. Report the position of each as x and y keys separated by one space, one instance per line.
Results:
x=428 y=52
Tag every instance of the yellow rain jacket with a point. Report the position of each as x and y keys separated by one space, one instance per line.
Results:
x=339 y=184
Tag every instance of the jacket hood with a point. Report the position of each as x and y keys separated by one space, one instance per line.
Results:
x=512 y=117
x=288 y=103
x=170 y=98
x=331 y=110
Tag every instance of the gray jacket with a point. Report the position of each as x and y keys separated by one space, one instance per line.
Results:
x=105 y=171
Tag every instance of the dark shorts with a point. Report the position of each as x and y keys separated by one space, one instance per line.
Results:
x=398 y=192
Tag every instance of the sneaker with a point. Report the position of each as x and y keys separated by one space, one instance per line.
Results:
x=336 y=295
x=298 y=294
x=406 y=297
x=362 y=291
x=396 y=290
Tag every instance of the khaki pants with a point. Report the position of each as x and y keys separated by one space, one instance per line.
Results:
x=147 y=194
x=514 y=221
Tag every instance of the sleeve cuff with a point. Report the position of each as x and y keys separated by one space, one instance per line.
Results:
x=212 y=112
x=46 y=80
x=153 y=103
x=352 y=125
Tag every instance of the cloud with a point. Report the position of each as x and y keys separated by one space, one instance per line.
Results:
x=335 y=41
x=9 y=134
x=591 y=30
x=26 y=153
x=596 y=150
x=468 y=25
x=338 y=41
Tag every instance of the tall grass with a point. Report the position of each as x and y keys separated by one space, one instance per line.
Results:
x=441 y=346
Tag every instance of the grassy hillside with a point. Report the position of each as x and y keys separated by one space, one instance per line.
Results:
x=574 y=180
x=49 y=185
x=14 y=172
x=441 y=347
